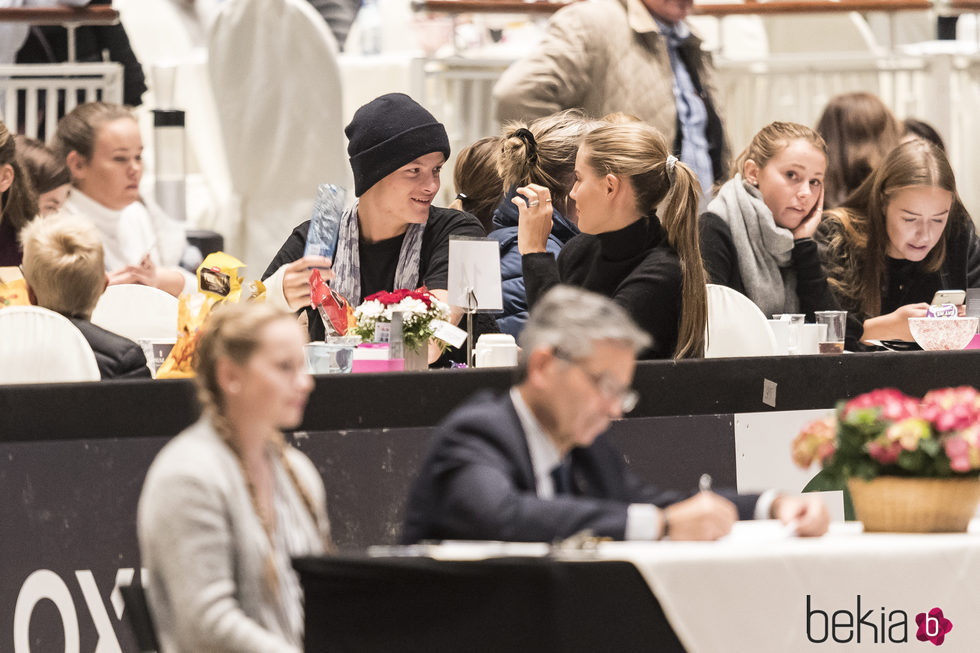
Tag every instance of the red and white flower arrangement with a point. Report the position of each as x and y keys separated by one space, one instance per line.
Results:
x=419 y=308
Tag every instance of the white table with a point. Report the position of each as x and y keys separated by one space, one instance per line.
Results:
x=750 y=593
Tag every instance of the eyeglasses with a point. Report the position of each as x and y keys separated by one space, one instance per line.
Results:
x=608 y=388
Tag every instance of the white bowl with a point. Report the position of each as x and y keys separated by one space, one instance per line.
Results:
x=939 y=333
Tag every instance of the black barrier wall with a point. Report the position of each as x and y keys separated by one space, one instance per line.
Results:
x=73 y=458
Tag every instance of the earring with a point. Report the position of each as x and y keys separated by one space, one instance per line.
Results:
x=234 y=387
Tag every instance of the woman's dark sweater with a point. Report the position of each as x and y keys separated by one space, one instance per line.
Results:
x=635 y=266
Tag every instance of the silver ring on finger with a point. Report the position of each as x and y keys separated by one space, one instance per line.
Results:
x=533 y=203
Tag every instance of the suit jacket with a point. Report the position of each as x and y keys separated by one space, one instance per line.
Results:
x=477 y=482
x=118 y=357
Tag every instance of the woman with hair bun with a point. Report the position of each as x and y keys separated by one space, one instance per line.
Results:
x=48 y=173
x=648 y=263
x=18 y=201
x=227 y=503
x=541 y=153
x=478 y=185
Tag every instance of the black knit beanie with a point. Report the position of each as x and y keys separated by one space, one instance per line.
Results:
x=387 y=133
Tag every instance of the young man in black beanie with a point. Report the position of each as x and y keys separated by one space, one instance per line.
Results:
x=392 y=237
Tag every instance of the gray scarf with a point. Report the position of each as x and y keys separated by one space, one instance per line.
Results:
x=764 y=248
x=347 y=260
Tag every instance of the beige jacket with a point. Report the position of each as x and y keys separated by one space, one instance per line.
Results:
x=604 y=56
x=204 y=550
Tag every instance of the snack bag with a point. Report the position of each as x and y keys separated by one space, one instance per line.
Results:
x=335 y=311
x=192 y=312
x=218 y=276
x=254 y=291
x=14 y=293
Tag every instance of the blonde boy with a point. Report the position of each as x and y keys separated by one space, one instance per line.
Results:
x=64 y=269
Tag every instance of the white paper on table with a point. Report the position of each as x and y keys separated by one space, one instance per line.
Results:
x=474 y=264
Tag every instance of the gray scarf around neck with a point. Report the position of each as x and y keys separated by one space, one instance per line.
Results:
x=764 y=248
x=347 y=260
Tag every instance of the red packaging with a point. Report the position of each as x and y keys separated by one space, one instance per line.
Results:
x=335 y=311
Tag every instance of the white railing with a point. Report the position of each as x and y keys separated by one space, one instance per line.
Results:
x=940 y=88
x=34 y=96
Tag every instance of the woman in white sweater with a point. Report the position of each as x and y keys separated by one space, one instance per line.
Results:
x=227 y=503
x=103 y=149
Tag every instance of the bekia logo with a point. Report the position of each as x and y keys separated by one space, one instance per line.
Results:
x=932 y=626
x=873 y=626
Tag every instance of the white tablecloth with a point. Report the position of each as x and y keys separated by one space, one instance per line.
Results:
x=748 y=594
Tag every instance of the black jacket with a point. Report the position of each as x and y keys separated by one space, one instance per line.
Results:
x=118 y=357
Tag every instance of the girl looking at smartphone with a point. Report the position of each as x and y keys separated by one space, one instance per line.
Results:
x=899 y=238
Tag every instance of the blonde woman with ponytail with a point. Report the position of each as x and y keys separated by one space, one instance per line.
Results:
x=649 y=264
x=227 y=503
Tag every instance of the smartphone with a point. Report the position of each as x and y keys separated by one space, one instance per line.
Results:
x=956 y=297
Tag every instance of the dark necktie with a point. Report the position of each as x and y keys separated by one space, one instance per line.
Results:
x=561 y=476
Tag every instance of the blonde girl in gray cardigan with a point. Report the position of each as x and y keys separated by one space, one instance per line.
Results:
x=227 y=503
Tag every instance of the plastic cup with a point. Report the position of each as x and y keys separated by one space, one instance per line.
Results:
x=780 y=329
x=836 y=321
x=795 y=321
x=335 y=356
x=810 y=338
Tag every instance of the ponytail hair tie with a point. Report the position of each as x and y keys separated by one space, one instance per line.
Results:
x=532 y=147
x=670 y=164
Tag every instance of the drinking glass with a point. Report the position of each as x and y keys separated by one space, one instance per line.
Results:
x=836 y=321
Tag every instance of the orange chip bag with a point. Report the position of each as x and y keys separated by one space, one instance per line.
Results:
x=14 y=293
x=192 y=312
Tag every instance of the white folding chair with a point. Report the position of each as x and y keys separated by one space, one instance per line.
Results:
x=135 y=312
x=41 y=346
x=277 y=90
x=736 y=326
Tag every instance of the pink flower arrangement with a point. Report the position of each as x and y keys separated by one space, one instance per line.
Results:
x=889 y=402
x=952 y=409
x=888 y=432
x=815 y=443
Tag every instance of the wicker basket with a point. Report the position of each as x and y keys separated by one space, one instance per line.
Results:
x=915 y=505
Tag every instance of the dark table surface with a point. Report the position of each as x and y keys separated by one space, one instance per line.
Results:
x=357 y=603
